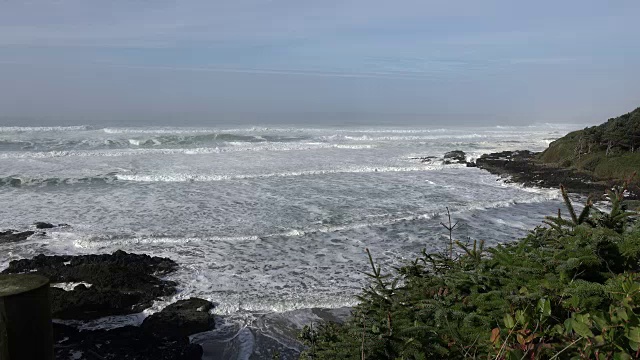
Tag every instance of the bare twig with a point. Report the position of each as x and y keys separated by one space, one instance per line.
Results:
x=364 y=326
x=561 y=351
x=504 y=344
x=450 y=228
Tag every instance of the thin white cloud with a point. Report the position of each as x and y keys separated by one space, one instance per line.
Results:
x=109 y=23
x=405 y=75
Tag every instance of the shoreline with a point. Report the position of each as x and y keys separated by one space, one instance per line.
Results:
x=257 y=335
x=119 y=287
x=522 y=167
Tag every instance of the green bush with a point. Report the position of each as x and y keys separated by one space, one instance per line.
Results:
x=607 y=151
x=567 y=290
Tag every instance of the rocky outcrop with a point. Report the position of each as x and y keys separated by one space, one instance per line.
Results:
x=162 y=336
x=451 y=157
x=85 y=303
x=122 y=283
x=9 y=236
x=61 y=268
x=185 y=317
x=522 y=167
x=128 y=342
x=423 y=159
x=455 y=157
x=43 y=225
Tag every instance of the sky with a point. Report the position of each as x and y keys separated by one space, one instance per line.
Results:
x=326 y=61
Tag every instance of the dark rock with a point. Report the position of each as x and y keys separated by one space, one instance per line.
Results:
x=122 y=283
x=455 y=157
x=13 y=236
x=85 y=303
x=423 y=159
x=43 y=225
x=182 y=318
x=126 y=343
x=141 y=263
x=161 y=336
x=471 y=164
x=523 y=167
x=64 y=225
x=192 y=351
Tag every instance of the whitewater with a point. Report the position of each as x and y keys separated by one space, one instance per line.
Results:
x=262 y=220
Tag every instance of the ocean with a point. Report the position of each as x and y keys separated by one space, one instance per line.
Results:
x=262 y=220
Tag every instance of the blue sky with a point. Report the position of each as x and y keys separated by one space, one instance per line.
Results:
x=425 y=62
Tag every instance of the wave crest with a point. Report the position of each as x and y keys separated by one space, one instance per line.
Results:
x=23 y=181
x=21 y=129
x=206 y=178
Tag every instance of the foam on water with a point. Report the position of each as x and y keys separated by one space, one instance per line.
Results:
x=261 y=220
x=19 y=129
x=199 y=177
x=170 y=151
x=68 y=286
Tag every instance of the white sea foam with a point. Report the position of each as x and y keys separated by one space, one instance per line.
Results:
x=18 y=129
x=200 y=177
x=157 y=130
x=68 y=286
x=169 y=151
x=428 y=137
x=92 y=243
x=106 y=323
x=261 y=219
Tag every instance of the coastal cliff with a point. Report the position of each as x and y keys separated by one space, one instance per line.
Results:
x=587 y=161
x=607 y=151
x=569 y=289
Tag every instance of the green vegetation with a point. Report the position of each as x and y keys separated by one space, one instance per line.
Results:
x=568 y=290
x=607 y=151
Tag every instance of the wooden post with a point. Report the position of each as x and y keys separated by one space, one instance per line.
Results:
x=25 y=318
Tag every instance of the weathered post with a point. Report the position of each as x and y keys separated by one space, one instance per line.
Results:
x=25 y=318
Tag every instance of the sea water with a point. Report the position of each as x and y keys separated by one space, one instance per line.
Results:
x=262 y=220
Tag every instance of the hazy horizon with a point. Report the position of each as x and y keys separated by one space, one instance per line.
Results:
x=299 y=120
x=424 y=63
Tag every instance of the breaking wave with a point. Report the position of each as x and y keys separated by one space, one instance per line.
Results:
x=183 y=151
x=173 y=140
x=207 y=178
x=23 y=181
x=20 y=129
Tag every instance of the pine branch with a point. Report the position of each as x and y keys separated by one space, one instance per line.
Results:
x=584 y=215
x=568 y=204
x=450 y=228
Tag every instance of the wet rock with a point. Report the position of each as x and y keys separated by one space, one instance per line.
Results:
x=182 y=318
x=162 y=336
x=523 y=167
x=122 y=283
x=50 y=265
x=127 y=343
x=423 y=159
x=455 y=157
x=85 y=303
x=43 y=225
x=14 y=236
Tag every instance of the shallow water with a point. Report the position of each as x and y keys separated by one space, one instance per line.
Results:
x=261 y=220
